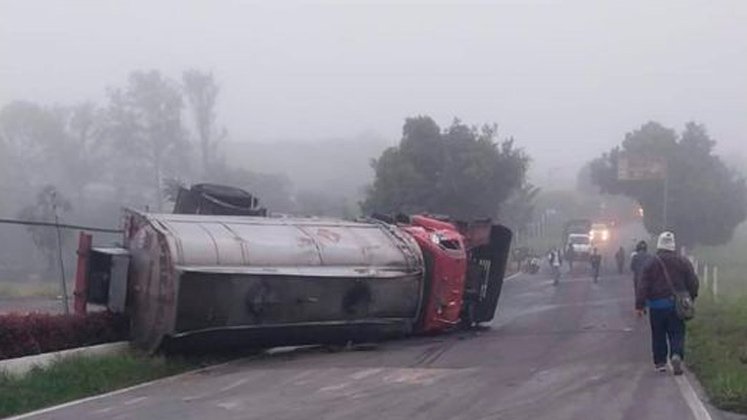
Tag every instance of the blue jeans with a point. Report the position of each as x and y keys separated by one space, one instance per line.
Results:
x=667 y=334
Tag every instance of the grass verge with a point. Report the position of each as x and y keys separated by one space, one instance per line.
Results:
x=717 y=337
x=25 y=290
x=717 y=351
x=76 y=378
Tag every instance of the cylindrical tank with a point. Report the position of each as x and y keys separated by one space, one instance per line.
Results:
x=228 y=280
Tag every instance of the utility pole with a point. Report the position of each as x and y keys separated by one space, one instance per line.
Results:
x=63 y=285
x=665 y=206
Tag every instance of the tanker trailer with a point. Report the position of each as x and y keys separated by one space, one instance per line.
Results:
x=201 y=281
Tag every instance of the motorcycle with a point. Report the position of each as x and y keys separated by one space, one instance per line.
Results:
x=532 y=265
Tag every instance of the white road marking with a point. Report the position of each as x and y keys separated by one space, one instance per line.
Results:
x=234 y=385
x=417 y=376
x=229 y=405
x=365 y=373
x=103 y=410
x=692 y=399
x=135 y=400
x=337 y=387
x=212 y=393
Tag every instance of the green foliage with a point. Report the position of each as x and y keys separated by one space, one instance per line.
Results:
x=707 y=200
x=27 y=132
x=136 y=149
x=461 y=172
x=76 y=378
x=58 y=139
x=717 y=344
x=717 y=352
x=145 y=125
x=201 y=92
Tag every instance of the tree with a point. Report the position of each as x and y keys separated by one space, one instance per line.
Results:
x=462 y=171
x=145 y=125
x=31 y=135
x=518 y=211
x=84 y=128
x=45 y=145
x=201 y=92
x=48 y=205
x=706 y=199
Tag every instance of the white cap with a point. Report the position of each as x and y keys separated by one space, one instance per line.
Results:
x=666 y=242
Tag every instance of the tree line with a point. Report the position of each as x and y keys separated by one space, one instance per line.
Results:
x=154 y=133
x=705 y=198
x=150 y=135
x=134 y=146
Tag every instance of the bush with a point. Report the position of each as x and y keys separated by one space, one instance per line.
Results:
x=35 y=333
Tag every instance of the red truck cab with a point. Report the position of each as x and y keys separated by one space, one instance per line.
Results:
x=446 y=270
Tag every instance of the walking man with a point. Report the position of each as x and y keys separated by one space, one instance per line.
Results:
x=555 y=263
x=638 y=262
x=596 y=264
x=570 y=255
x=620 y=259
x=666 y=273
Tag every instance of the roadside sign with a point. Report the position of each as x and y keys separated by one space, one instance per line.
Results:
x=637 y=167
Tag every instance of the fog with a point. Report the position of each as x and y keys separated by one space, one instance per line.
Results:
x=567 y=79
x=310 y=93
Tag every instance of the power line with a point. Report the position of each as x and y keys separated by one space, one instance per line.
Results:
x=60 y=225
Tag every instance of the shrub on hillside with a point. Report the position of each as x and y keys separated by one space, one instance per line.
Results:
x=34 y=333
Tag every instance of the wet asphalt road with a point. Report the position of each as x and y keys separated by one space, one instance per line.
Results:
x=575 y=351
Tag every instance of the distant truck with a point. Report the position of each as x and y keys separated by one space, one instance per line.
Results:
x=577 y=240
x=579 y=247
x=578 y=226
x=600 y=234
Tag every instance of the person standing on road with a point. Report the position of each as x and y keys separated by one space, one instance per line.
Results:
x=666 y=273
x=620 y=259
x=555 y=263
x=596 y=264
x=638 y=262
x=569 y=256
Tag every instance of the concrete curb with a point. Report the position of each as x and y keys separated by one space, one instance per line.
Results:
x=22 y=365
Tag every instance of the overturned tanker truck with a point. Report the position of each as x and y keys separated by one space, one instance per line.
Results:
x=220 y=272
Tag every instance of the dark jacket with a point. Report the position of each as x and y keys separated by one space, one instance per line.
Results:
x=653 y=285
x=596 y=260
x=638 y=263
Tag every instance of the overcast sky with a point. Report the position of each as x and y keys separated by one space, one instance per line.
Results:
x=566 y=78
